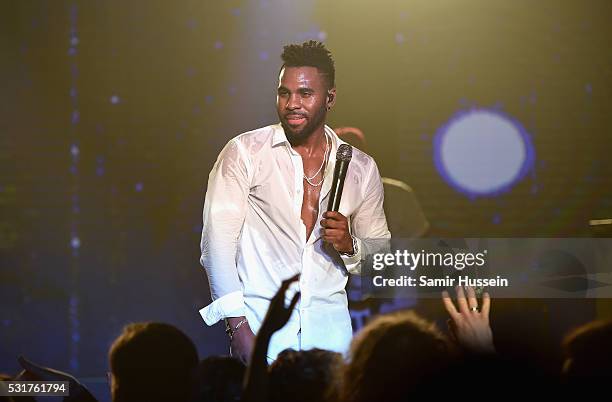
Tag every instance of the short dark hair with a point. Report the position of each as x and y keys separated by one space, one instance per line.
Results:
x=588 y=351
x=305 y=375
x=219 y=379
x=312 y=54
x=147 y=353
x=392 y=355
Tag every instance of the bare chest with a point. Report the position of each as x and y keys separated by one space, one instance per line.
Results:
x=312 y=192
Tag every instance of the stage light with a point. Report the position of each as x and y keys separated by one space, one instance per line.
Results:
x=482 y=152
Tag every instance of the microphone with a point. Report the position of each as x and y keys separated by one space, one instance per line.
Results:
x=343 y=158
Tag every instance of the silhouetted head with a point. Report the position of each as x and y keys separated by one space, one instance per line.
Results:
x=305 y=375
x=588 y=350
x=219 y=379
x=391 y=356
x=152 y=362
x=353 y=136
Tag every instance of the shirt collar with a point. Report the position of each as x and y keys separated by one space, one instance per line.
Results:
x=278 y=137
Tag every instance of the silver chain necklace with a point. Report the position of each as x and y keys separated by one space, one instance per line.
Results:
x=308 y=179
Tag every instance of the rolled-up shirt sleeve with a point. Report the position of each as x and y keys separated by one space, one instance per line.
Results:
x=368 y=223
x=224 y=212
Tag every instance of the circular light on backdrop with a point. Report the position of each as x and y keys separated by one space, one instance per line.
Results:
x=482 y=152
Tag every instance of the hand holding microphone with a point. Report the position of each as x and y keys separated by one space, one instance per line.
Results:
x=335 y=225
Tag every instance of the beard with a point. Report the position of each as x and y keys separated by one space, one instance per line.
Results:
x=304 y=132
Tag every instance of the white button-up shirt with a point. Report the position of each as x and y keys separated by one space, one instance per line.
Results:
x=253 y=238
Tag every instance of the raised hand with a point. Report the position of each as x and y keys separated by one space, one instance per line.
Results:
x=256 y=379
x=34 y=372
x=336 y=231
x=278 y=315
x=470 y=325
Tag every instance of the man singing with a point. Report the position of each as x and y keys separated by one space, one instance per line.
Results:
x=265 y=216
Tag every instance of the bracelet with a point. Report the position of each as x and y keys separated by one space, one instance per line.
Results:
x=354 y=248
x=231 y=331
